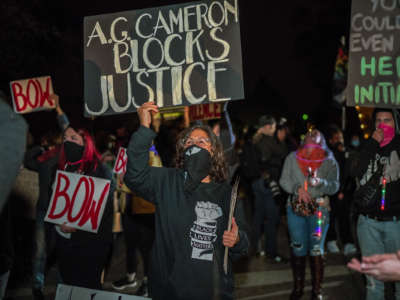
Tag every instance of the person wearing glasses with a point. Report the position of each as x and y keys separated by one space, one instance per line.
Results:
x=192 y=210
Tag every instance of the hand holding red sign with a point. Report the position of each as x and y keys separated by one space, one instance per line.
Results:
x=78 y=201
x=56 y=99
x=67 y=229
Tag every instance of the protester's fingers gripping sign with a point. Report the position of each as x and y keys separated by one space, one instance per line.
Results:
x=230 y=238
x=145 y=112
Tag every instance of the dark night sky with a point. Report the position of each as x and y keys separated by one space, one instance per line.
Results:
x=288 y=47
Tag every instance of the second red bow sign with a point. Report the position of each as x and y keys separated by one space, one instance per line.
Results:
x=78 y=201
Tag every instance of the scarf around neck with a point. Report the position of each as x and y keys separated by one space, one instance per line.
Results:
x=312 y=159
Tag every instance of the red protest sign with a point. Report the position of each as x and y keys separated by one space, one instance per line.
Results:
x=30 y=95
x=120 y=163
x=78 y=201
x=206 y=111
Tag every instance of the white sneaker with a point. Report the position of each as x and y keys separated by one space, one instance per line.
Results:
x=349 y=249
x=128 y=281
x=333 y=247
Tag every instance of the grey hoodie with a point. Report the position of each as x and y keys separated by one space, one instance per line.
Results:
x=292 y=177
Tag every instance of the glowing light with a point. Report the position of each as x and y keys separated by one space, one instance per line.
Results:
x=362 y=126
x=366 y=136
x=304 y=117
x=360 y=116
x=318 y=230
x=383 y=193
x=357 y=107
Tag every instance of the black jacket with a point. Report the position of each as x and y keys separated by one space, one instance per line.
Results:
x=187 y=255
x=371 y=155
x=272 y=156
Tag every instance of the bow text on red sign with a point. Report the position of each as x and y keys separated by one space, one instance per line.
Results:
x=120 y=163
x=78 y=201
x=32 y=94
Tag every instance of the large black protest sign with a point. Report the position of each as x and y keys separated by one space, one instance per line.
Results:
x=374 y=61
x=173 y=55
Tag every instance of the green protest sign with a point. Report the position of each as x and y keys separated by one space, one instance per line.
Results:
x=374 y=60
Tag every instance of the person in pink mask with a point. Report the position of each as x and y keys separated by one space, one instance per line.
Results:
x=378 y=223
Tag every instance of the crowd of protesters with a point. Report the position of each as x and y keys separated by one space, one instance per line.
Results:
x=178 y=187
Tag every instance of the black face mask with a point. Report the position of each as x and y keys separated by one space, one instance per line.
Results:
x=73 y=151
x=197 y=164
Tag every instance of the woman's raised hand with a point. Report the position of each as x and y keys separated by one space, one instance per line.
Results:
x=145 y=111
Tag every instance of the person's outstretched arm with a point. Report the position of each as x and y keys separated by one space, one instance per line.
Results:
x=138 y=172
x=62 y=118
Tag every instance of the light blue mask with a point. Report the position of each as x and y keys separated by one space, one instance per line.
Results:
x=355 y=143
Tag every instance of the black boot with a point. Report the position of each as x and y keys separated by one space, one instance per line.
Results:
x=299 y=270
x=317 y=275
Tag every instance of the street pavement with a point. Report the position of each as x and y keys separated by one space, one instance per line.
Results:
x=256 y=277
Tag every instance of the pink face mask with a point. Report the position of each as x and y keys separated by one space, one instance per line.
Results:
x=388 y=134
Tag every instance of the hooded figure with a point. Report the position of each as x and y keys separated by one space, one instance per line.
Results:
x=309 y=175
x=378 y=224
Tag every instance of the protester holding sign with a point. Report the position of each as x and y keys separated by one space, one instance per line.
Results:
x=192 y=209
x=82 y=255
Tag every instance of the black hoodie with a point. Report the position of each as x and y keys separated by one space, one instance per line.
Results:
x=187 y=255
x=371 y=155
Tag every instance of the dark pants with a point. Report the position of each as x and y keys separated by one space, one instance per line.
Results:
x=266 y=212
x=138 y=234
x=82 y=262
x=340 y=213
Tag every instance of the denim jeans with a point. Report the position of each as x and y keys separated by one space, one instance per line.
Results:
x=39 y=254
x=302 y=231
x=265 y=209
x=377 y=237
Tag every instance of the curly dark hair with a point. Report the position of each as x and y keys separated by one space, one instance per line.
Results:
x=218 y=172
